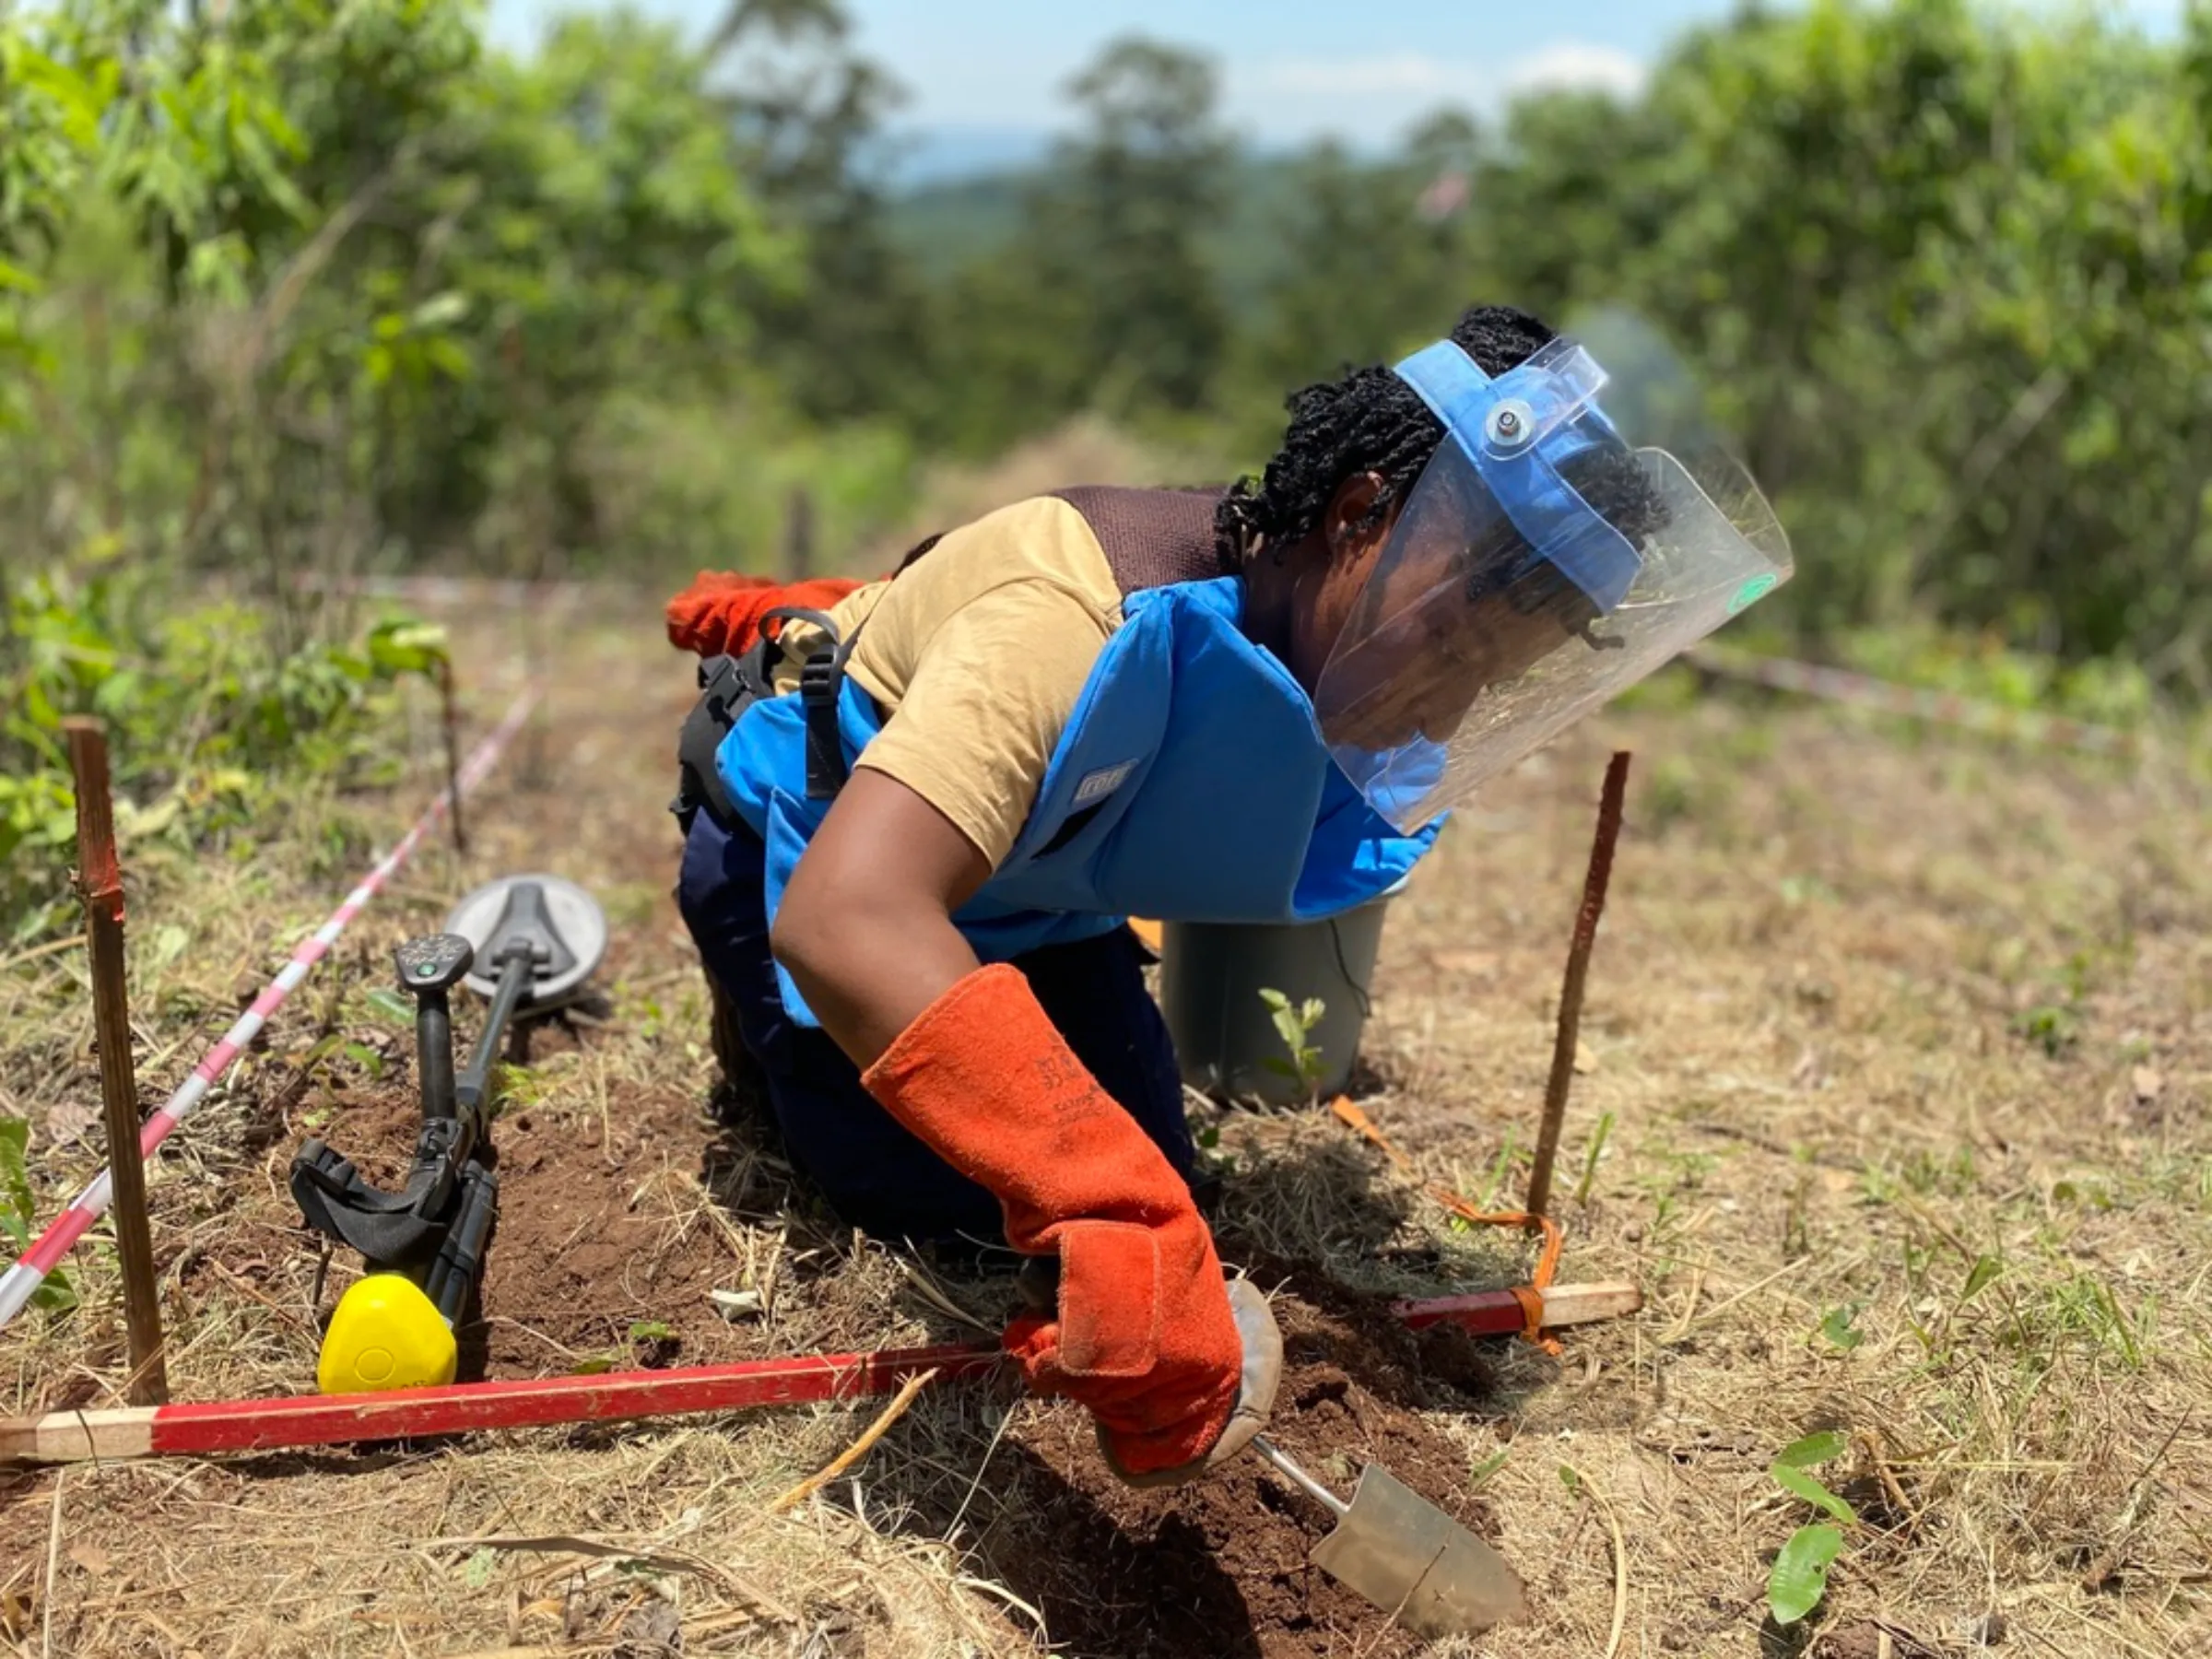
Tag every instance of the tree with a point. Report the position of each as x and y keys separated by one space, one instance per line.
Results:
x=1374 y=255
x=1121 y=230
x=808 y=110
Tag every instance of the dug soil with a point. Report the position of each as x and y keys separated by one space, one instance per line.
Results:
x=1218 y=1568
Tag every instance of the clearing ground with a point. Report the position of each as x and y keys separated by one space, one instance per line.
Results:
x=1897 y=1059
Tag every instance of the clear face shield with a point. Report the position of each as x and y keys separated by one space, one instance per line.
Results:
x=1542 y=565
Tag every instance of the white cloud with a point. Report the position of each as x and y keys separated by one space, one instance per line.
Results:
x=1403 y=74
x=1575 y=65
x=1377 y=95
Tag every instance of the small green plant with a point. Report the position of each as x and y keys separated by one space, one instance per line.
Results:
x=1597 y=1151
x=1295 y=1026
x=1799 y=1577
x=1500 y=1173
x=390 y=1007
x=1206 y=1136
x=2053 y=1027
x=1840 y=1328
x=18 y=1212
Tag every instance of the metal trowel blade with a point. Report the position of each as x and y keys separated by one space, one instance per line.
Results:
x=1403 y=1554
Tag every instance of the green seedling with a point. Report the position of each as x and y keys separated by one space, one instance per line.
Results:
x=393 y=1008
x=1799 y=1577
x=2053 y=1027
x=367 y=1058
x=1499 y=1172
x=1295 y=1027
x=1839 y=1327
x=641 y=1330
x=1597 y=1151
x=1984 y=1274
x=1489 y=1466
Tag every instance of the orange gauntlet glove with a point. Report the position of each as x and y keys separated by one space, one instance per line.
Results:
x=1178 y=1367
x=720 y=610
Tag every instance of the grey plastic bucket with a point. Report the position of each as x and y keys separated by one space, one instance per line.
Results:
x=1211 y=974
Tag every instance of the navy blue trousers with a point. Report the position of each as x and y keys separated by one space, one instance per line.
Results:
x=875 y=1175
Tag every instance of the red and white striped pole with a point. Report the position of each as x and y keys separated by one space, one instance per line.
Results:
x=21 y=1281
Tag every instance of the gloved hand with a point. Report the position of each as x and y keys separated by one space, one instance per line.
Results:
x=1178 y=1368
x=1262 y=1374
x=720 y=610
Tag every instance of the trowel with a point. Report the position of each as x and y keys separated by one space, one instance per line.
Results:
x=1398 y=1550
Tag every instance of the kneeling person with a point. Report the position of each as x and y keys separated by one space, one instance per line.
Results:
x=910 y=859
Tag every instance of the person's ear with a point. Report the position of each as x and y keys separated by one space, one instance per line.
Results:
x=1345 y=524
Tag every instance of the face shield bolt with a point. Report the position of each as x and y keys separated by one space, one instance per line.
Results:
x=1510 y=425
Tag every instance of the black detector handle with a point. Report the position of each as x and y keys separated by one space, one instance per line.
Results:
x=429 y=967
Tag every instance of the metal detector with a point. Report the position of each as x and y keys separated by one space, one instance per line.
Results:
x=522 y=942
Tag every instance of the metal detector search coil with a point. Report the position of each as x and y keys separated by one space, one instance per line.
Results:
x=577 y=921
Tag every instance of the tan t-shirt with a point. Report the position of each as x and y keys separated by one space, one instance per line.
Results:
x=978 y=652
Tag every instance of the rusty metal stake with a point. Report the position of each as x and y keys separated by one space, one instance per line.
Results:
x=1571 y=991
x=100 y=879
x=798 y=535
x=450 y=719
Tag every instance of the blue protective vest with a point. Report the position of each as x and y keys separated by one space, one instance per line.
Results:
x=1190 y=785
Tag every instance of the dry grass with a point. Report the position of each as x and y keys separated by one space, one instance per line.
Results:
x=1870 y=1017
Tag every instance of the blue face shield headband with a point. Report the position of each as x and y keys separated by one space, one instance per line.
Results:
x=1519 y=430
x=1452 y=665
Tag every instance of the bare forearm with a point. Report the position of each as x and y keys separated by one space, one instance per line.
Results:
x=878 y=975
x=866 y=928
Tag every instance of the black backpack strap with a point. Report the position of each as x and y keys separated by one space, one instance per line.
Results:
x=730 y=685
x=821 y=688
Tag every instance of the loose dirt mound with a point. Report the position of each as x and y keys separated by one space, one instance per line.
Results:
x=1217 y=1569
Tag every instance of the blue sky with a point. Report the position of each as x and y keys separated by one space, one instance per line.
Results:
x=1292 y=69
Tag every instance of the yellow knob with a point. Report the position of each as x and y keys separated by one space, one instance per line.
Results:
x=385 y=1333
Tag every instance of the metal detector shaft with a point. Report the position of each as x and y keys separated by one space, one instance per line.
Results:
x=434 y=1051
x=514 y=985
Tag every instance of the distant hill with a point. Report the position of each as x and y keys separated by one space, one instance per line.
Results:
x=946 y=223
x=936 y=157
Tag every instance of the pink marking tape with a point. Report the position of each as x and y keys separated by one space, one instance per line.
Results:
x=22 y=1280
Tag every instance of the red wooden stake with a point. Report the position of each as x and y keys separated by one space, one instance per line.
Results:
x=1571 y=991
x=329 y=1420
x=99 y=877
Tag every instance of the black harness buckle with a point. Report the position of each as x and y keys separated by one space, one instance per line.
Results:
x=730 y=685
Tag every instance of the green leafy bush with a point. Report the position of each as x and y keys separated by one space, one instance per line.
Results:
x=206 y=708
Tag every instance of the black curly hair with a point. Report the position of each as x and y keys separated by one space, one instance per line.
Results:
x=1370 y=420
